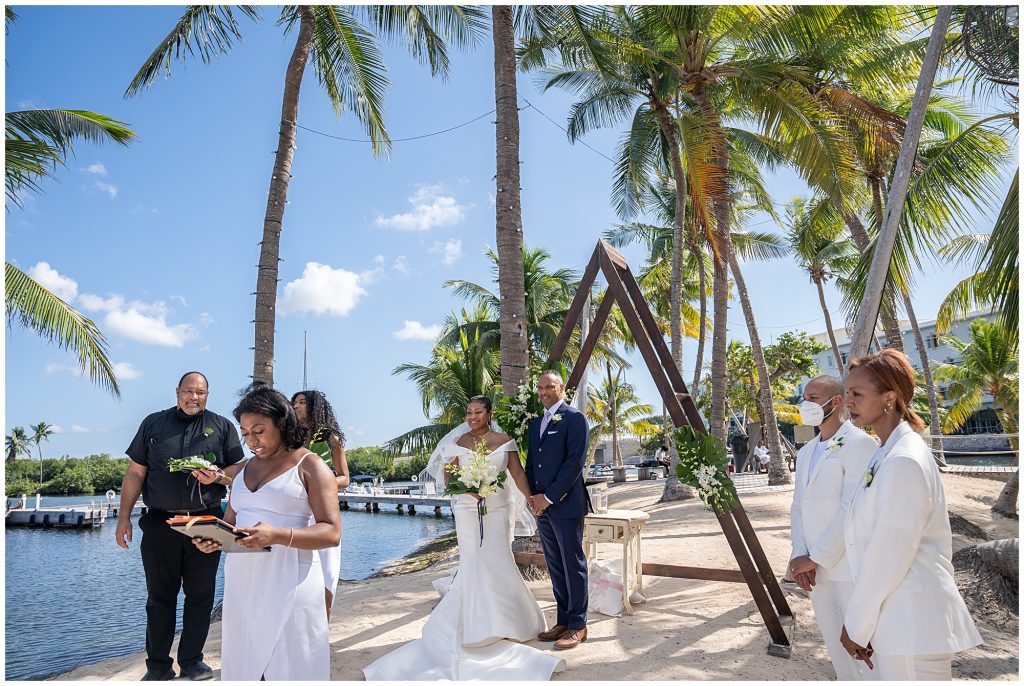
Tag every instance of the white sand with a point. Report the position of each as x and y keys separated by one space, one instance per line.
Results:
x=688 y=630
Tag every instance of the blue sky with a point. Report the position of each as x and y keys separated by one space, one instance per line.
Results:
x=158 y=241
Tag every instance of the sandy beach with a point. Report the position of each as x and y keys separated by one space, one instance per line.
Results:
x=687 y=630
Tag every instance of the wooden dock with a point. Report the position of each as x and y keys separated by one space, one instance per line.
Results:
x=71 y=517
x=371 y=502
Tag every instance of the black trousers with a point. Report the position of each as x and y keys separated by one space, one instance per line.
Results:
x=172 y=562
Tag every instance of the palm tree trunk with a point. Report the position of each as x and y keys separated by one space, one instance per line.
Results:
x=701 y=337
x=613 y=417
x=896 y=202
x=778 y=470
x=40 y=450
x=507 y=208
x=887 y=312
x=270 y=250
x=893 y=335
x=668 y=131
x=1006 y=503
x=926 y=369
x=828 y=327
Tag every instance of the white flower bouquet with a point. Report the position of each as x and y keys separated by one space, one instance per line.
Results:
x=703 y=464
x=477 y=476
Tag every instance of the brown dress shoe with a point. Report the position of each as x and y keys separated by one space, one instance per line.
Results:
x=554 y=633
x=571 y=639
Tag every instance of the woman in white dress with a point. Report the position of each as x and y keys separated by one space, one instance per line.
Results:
x=285 y=497
x=475 y=632
x=905 y=617
x=319 y=425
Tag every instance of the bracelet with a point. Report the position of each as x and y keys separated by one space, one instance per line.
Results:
x=291 y=535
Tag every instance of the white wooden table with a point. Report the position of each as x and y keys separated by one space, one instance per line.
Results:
x=621 y=527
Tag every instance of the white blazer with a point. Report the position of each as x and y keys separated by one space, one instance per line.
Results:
x=821 y=496
x=900 y=548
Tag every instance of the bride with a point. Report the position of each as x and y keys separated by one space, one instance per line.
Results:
x=474 y=633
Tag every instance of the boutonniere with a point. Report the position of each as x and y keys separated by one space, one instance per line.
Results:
x=208 y=431
x=835 y=444
x=869 y=476
x=556 y=417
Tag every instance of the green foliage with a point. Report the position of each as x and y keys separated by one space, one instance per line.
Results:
x=370 y=460
x=67 y=475
x=408 y=468
x=703 y=464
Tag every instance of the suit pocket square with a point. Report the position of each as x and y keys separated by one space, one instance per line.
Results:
x=550 y=433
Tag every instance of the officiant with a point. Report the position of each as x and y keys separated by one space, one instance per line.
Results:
x=169 y=560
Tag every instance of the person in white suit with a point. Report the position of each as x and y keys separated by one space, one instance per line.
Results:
x=828 y=470
x=905 y=613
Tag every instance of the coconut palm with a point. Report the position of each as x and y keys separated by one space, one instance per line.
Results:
x=996 y=281
x=815 y=237
x=988 y=365
x=456 y=372
x=340 y=41
x=17 y=444
x=613 y=406
x=707 y=61
x=548 y=294
x=41 y=432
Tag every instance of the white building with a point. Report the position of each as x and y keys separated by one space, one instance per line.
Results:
x=935 y=349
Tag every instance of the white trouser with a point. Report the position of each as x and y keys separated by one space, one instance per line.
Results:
x=829 y=598
x=913 y=667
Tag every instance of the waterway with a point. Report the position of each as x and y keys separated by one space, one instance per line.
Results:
x=74 y=597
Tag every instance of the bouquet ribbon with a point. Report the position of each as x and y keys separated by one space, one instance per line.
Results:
x=481 y=510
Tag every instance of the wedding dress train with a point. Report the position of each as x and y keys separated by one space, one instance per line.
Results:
x=472 y=634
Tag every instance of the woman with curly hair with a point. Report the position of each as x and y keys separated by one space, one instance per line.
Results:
x=323 y=436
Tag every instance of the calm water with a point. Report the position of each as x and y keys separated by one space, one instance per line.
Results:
x=74 y=597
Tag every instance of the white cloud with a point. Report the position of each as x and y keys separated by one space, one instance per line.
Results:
x=139 y=321
x=179 y=299
x=323 y=290
x=97 y=168
x=449 y=251
x=205 y=349
x=415 y=331
x=79 y=429
x=64 y=287
x=353 y=431
x=108 y=188
x=401 y=265
x=206 y=319
x=463 y=180
x=57 y=429
x=125 y=371
x=431 y=207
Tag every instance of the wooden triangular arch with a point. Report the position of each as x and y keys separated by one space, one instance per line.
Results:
x=623 y=290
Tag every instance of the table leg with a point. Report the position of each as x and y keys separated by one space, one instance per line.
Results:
x=626 y=607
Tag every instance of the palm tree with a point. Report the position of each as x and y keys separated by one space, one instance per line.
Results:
x=996 y=281
x=17 y=444
x=706 y=52
x=548 y=294
x=988 y=365
x=340 y=41
x=456 y=372
x=815 y=238
x=36 y=143
x=41 y=432
x=613 y=406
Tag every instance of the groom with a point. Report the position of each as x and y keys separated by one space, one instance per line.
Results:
x=554 y=468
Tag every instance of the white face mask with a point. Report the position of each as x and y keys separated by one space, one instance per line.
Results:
x=813 y=414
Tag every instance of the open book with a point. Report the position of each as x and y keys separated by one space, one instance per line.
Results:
x=214 y=529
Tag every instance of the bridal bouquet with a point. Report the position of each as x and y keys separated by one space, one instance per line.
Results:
x=477 y=475
x=191 y=463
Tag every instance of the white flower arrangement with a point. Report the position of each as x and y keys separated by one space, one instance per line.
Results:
x=557 y=417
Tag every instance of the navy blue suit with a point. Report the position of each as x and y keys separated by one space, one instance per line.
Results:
x=554 y=467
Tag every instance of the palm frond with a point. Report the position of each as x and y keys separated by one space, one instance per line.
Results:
x=203 y=30
x=39 y=310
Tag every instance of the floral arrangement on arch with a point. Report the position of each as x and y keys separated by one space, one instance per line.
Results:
x=513 y=413
x=704 y=464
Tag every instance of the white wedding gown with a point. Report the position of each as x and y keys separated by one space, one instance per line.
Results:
x=472 y=633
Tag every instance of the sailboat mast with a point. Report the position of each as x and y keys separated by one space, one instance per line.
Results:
x=305 y=336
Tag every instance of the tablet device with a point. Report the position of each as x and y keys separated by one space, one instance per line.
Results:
x=214 y=529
